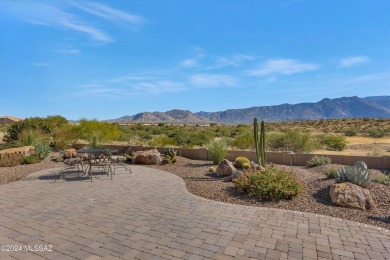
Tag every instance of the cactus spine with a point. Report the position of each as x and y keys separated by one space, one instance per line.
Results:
x=259 y=141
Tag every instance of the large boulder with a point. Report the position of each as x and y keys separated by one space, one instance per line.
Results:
x=147 y=157
x=225 y=168
x=349 y=195
x=17 y=152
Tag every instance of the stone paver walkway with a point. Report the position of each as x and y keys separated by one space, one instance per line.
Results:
x=149 y=214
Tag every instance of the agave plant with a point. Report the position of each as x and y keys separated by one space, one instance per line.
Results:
x=355 y=175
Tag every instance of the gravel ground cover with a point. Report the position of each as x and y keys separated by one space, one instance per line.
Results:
x=9 y=174
x=314 y=199
x=199 y=181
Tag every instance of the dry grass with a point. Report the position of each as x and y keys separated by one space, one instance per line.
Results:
x=366 y=140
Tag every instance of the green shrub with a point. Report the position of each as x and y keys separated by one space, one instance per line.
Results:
x=34 y=124
x=97 y=132
x=244 y=141
x=31 y=159
x=163 y=140
x=42 y=151
x=331 y=173
x=239 y=162
x=292 y=140
x=318 y=160
x=335 y=142
x=350 y=132
x=384 y=179
x=8 y=145
x=29 y=137
x=376 y=133
x=271 y=184
x=218 y=151
x=63 y=136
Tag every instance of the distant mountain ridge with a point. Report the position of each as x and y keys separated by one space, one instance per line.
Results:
x=345 y=107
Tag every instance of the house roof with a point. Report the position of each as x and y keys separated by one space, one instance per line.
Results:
x=13 y=118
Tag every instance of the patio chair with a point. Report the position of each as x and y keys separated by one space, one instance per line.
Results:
x=118 y=160
x=71 y=163
x=100 y=160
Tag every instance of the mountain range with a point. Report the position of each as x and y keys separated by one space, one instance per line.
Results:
x=345 y=107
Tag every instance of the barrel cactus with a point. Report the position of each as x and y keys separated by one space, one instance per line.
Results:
x=239 y=162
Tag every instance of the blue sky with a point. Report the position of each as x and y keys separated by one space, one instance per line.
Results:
x=107 y=59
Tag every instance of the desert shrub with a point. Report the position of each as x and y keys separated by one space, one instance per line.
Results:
x=42 y=150
x=244 y=141
x=163 y=140
x=33 y=123
x=218 y=150
x=335 y=142
x=384 y=179
x=8 y=145
x=239 y=162
x=63 y=136
x=292 y=140
x=350 y=132
x=318 y=160
x=31 y=159
x=30 y=137
x=10 y=161
x=331 y=173
x=376 y=133
x=97 y=132
x=199 y=138
x=271 y=184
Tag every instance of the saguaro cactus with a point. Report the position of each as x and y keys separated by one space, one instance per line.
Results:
x=259 y=141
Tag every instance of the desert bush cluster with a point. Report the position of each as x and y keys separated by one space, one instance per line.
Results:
x=57 y=132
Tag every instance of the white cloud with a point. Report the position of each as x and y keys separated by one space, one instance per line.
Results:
x=50 y=16
x=212 y=80
x=283 y=66
x=156 y=87
x=354 y=60
x=111 y=14
x=126 y=78
x=53 y=15
x=189 y=63
x=96 y=90
x=235 y=60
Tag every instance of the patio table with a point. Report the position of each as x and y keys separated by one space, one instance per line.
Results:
x=99 y=157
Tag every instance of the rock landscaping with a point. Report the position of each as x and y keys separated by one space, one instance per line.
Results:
x=349 y=195
x=147 y=157
x=225 y=168
x=314 y=198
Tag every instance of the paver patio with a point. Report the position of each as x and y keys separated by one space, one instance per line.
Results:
x=149 y=214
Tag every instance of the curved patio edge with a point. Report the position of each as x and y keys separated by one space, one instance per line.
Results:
x=184 y=189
